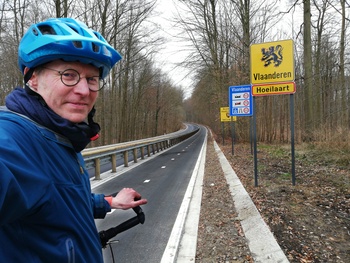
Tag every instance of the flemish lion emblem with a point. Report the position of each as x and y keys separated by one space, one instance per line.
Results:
x=272 y=55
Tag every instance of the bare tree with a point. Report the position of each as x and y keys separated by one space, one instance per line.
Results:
x=344 y=91
x=308 y=79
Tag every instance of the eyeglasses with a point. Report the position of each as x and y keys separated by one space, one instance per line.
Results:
x=71 y=77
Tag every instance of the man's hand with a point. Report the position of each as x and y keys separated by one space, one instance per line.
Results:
x=127 y=198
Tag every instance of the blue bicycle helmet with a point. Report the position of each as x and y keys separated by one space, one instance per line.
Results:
x=67 y=39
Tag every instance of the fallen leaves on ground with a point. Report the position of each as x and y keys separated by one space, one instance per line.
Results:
x=311 y=220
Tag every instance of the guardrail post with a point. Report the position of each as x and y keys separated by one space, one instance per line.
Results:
x=126 y=161
x=149 y=150
x=153 y=150
x=114 y=163
x=142 y=153
x=97 y=169
x=134 y=151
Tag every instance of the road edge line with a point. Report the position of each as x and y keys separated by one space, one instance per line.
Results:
x=182 y=243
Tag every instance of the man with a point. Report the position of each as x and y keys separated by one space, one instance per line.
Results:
x=46 y=208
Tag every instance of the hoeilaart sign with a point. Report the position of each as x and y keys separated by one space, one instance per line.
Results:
x=273 y=89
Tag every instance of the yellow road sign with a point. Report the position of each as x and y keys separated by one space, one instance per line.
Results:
x=272 y=62
x=273 y=89
x=225 y=115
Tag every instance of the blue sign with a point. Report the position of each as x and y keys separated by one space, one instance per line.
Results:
x=240 y=100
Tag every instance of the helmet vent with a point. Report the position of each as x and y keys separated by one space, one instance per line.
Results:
x=35 y=32
x=95 y=48
x=77 y=44
x=47 y=30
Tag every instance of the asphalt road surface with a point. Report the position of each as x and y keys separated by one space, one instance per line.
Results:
x=163 y=180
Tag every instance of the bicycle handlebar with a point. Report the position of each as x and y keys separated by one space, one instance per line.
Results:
x=106 y=235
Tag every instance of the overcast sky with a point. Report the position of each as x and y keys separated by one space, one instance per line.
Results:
x=172 y=51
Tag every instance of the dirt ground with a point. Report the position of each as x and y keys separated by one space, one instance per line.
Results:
x=310 y=220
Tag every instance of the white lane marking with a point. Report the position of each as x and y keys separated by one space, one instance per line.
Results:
x=163 y=167
x=172 y=159
x=146 y=181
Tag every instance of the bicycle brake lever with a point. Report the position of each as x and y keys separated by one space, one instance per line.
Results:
x=106 y=235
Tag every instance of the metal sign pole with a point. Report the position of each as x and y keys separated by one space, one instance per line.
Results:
x=255 y=146
x=292 y=136
x=232 y=135
x=251 y=134
x=223 y=133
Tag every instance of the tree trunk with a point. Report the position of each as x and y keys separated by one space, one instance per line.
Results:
x=308 y=78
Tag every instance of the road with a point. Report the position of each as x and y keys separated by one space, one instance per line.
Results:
x=163 y=180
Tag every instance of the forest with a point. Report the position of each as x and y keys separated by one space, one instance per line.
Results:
x=140 y=100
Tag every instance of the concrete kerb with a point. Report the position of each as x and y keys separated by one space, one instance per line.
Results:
x=262 y=244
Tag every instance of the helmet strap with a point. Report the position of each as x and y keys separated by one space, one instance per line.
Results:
x=28 y=75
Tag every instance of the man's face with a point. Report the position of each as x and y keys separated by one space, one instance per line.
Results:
x=70 y=102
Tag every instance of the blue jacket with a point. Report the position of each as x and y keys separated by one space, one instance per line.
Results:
x=47 y=210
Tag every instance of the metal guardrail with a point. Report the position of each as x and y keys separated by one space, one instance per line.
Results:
x=95 y=157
